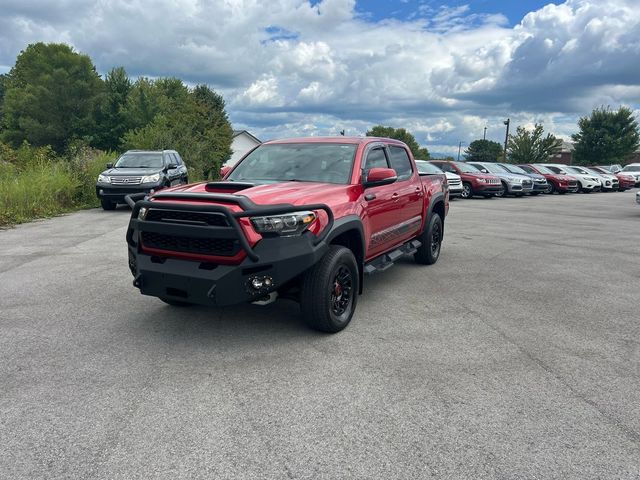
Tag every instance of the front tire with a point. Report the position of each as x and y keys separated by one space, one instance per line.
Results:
x=107 y=204
x=503 y=192
x=330 y=291
x=431 y=239
x=467 y=191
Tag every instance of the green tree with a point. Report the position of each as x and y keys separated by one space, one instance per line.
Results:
x=530 y=146
x=111 y=121
x=144 y=102
x=404 y=136
x=192 y=122
x=483 y=151
x=3 y=87
x=606 y=136
x=51 y=97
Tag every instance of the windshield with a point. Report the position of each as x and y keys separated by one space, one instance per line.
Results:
x=140 y=160
x=303 y=162
x=579 y=170
x=466 y=168
x=494 y=168
x=631 y=168
x=542 y=169
x=426 y=167
x=514 y=169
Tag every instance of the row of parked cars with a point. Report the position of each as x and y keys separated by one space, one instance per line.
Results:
x=489 y=179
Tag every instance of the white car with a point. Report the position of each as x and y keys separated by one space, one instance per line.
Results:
x=609 y=182
x=586 y=183
x=454 y=180
x=632 y=169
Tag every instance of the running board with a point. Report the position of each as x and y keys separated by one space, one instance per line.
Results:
x=381 y=263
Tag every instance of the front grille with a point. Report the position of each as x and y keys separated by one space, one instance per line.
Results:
x=188 y=217
x=572 y=183
x=121 y=191
x=221 y=247
x=454 y=182
x=527 y=184
x=126 y=180
x=493 y=181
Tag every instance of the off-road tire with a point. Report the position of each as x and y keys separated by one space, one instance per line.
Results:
x=330 y=291
x=431 y=239
x=108 y=204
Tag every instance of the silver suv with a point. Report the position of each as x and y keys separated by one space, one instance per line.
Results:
x=512 y=183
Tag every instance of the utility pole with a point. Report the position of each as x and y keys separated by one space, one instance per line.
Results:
x=484 y=135
x=459 y=147
x=506 y=140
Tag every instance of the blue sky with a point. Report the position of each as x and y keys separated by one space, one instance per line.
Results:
x=513 y=10
x=442 y=70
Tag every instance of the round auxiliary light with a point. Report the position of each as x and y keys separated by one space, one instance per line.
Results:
x=257 y=283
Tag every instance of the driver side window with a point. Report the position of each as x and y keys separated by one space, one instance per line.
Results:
x=376 y=158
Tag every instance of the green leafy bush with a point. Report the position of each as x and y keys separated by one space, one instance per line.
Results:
x=34 y=183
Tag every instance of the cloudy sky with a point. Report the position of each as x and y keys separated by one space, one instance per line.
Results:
x=443 y=70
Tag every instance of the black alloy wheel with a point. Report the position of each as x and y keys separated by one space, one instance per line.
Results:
x=330 y=290
x=431 y=239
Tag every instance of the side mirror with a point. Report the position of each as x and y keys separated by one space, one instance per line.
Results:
x=380 y=176
x=484 y=170
x=109 y=165
x=172 y=166
x=224 y=171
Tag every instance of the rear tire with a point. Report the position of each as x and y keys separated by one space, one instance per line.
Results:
x=330 y=291
x=431 y=239
x=108 y=204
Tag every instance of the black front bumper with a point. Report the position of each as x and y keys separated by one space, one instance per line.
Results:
x=273 y=260
x=117 y=193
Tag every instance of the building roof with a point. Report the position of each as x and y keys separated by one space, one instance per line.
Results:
x=240 y=132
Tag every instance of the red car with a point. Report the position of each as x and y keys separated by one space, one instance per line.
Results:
x=301 y=218
x=625 y=182
x=474 y=182
x=558 y=182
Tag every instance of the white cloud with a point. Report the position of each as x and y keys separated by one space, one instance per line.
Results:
x=287 y=67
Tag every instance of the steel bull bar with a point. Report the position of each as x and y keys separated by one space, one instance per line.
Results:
x=232 y=231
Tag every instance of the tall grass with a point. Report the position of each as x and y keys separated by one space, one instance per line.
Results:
x=34 y=183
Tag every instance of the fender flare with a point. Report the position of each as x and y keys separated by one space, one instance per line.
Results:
x=437 y=197
x=343 y=225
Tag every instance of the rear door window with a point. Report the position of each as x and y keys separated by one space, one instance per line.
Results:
x=400 y=162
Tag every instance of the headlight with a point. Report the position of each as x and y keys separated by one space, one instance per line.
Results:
x=104 y=179
x=151 y=178
x=287 y=225
x=515 y=180
x=481 y=180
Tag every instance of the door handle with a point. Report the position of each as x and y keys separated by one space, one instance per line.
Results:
x=395 y=197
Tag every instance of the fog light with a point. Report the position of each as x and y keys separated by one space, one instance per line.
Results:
x=257 y=283
x=268 y=281
x=142 y=214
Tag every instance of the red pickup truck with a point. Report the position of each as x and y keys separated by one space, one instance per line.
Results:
x=302 y=218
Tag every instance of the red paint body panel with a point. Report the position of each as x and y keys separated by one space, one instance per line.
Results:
x=403 y=203
x=559 y=181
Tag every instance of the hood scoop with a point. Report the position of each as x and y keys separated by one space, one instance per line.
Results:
x=227 y=186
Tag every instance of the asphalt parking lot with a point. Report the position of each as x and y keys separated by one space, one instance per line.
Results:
x=516 y=356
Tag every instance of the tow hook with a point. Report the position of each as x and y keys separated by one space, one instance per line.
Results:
x=267 y=299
